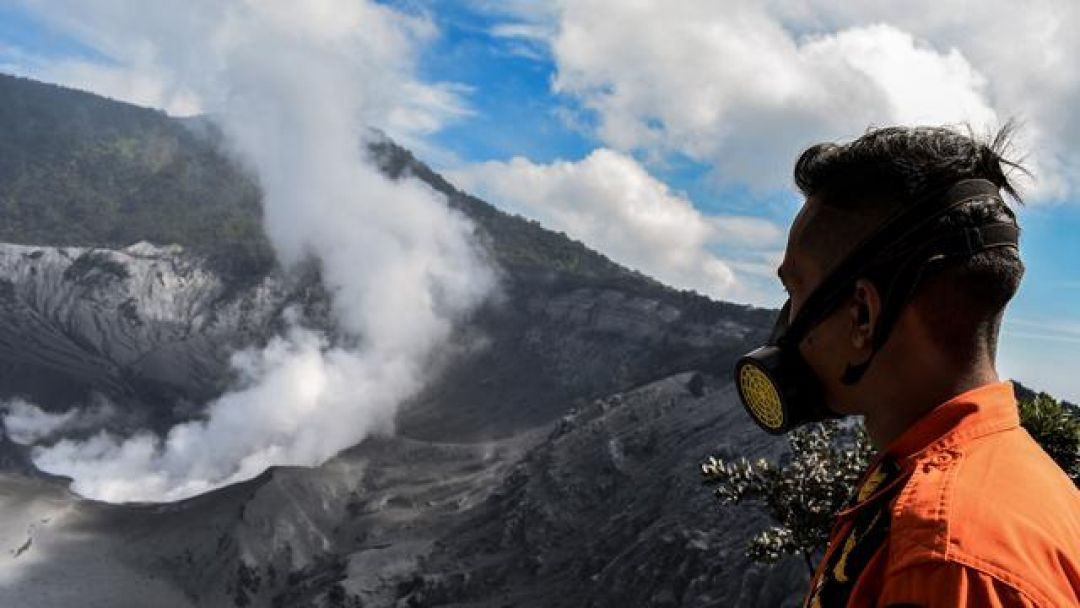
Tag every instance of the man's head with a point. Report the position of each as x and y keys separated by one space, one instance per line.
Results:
x=953 y=317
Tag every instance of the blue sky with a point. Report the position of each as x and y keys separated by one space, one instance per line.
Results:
x=705 y=143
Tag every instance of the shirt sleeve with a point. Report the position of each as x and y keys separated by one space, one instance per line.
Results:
x=948 y=584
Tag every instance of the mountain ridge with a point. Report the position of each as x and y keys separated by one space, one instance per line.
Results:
x=541 y=271
x=510 y=479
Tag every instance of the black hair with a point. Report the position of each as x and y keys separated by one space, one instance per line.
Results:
x=889 y=168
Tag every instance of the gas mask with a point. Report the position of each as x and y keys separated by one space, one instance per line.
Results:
x=774 y=382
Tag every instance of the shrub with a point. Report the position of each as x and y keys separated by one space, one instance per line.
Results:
x=802 y=494
x=1056 y=427
x=808 y=487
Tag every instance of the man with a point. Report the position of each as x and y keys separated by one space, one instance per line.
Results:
x=899 y=267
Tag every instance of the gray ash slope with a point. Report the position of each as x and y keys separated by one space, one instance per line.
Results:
x=603 y=508
x=555 y=465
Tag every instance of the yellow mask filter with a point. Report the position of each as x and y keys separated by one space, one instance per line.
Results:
x=761 y=396
x=778 y=390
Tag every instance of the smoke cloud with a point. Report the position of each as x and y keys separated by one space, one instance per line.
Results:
x=295 y=87
x=26 y=423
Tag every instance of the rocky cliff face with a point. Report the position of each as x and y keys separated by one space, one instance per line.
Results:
x=149 y=328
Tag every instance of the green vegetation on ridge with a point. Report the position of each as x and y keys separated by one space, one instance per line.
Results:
x=82 y=170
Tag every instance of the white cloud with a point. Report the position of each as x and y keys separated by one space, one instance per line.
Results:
x=1027 y=51
x=727 y=84
x=173 y=68
x=1049 y=329
x=743 y=86
x=523 y=39
x=118 y=82
x=918 y=83
x=294 y=87
x=1039 y=352
x=610 y=202
x=745 y=232
x=526 y=31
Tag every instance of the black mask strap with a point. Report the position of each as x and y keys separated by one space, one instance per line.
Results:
x=899 y=234
x=904 y=279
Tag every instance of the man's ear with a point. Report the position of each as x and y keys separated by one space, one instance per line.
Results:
x=865 y=310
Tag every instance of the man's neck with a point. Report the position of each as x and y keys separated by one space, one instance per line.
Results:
x=912 y=398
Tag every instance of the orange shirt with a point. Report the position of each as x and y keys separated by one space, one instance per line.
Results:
x=973 y=513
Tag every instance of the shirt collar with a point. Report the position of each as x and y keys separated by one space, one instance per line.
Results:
x=980 y=411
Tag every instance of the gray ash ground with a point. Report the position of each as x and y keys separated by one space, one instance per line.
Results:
x=603 y=507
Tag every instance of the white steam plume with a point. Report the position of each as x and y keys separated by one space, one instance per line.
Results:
x=294 y=86
x=26 y=423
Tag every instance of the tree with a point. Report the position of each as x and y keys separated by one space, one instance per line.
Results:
x=808 y=487
x=802 y=493
x=1056 y=427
